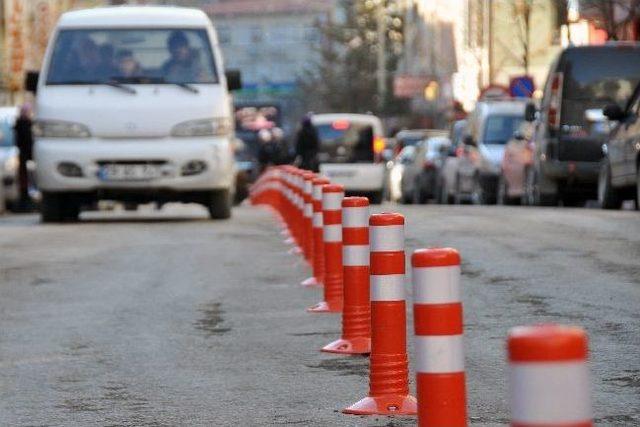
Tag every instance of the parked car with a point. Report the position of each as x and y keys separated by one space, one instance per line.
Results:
x=9 y=157
x=448 y=172
x=408 y=137
x=420 y=174
x=568 y=156
x=490 y=126
x=351 y=148
x=395 y=172
x=518 y=156
x=619 y=176
x=162 y=133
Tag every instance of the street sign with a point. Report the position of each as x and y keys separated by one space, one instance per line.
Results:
x=522 y=87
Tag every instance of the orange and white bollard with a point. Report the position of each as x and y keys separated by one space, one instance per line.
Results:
x=549 y=376
x=389 y=364
x=356 y=314
x=437 y=315
x=317 y=279
x=332 y=195
x=307 y=223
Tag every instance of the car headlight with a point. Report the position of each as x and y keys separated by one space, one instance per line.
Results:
x=219 y=126
x=60 y=129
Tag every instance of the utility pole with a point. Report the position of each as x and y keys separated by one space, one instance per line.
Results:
x=382 y=53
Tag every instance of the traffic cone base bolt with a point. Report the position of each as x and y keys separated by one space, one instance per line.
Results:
x=359 y=345
x=384 y=405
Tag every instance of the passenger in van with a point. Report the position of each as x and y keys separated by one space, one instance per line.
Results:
x=183 y=65
x=127 y=64
x=87 y=59
x=363 y=151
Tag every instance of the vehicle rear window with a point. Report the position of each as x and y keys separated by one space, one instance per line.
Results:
x=595 y=77
x=150 y=56
x=345 y=141
x=500 y=128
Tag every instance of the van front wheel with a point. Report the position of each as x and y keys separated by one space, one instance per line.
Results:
x=219 y=204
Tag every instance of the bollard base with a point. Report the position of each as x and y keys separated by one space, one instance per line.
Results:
x=384 y=405
x=325 y=307
x=311 y=282
x=359 y=345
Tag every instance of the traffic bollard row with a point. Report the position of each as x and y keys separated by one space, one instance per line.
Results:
x=359 y=261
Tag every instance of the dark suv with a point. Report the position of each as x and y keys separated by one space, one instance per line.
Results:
x=568 y=139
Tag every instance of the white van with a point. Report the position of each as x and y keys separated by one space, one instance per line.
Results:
x=350 y=152
x=133 y=105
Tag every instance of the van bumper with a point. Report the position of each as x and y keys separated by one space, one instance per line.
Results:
x=172 y=153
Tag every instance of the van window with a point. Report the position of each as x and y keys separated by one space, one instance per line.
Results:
x=499 y=129
x=145 y=56
x=6 y=133
x=595 y=77
x=345 y=141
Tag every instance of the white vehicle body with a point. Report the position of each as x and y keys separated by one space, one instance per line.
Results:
x=126 y=144
x=357 y=178
x=9 y=155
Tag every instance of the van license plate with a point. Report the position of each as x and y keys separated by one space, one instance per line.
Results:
x=119 y=172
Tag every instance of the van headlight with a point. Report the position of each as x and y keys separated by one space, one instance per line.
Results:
x=60 y=129
x=217 y=126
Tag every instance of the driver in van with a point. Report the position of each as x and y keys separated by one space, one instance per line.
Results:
x=127 y=64
x=183 y=64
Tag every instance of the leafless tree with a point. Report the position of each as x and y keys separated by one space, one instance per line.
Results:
x=611 y=15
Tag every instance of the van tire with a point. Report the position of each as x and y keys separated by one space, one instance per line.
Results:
x=219 y=204
x=58 y=207
x=376 y=197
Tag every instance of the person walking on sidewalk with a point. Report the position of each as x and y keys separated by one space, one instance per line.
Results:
x=24 y=141
x=307 y=145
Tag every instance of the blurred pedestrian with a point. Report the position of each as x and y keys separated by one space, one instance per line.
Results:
x=24 y=141
x=363 y=151
x=267 y=149
x=307 y=146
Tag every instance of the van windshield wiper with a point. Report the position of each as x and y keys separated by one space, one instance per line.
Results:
x=118 y=85
x=186 y=86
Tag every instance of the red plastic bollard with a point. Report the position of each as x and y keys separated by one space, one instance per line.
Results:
x=437 y=314
x=318 y=245
x=307 y=226
x=549 y=377
x=356 y=314
x=332 y=195
x=389 y=364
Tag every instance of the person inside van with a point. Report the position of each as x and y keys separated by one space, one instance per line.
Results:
x=183 y=65
x=87 y=59
x=127 y=64
x=363 y=151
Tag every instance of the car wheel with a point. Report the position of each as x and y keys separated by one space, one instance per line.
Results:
x=608 y=197
x=219 y=204
x=58 y=207
x=417 y=196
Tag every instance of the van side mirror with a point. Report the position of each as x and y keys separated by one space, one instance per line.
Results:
x=31 y=81
x=614 y=112
x=530 y=112
x=234 y=80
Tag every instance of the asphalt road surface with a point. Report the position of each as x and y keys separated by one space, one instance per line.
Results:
x=171 y=319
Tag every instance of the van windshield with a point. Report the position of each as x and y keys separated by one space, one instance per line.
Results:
x=145 y=56
x=595 y=77
x=499 y=129
x=345 y=141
